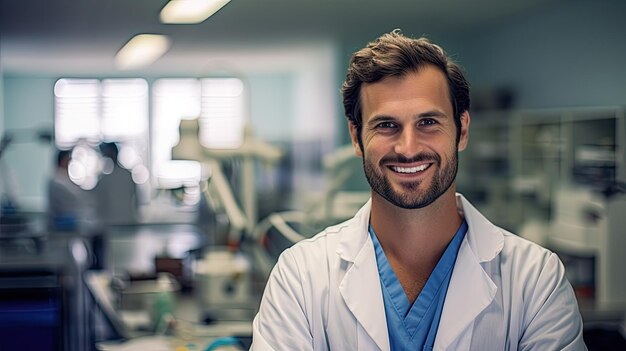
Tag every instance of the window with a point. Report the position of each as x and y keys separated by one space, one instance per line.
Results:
x=217 y=103
x=90 y=111
x=222 y=121
x=124 y=109
x=76 y=111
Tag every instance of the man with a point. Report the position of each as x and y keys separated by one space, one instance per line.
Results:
x=418 y=267
x=116 y=191
x=69 y=206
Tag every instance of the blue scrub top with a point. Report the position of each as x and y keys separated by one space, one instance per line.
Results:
x=415 y=327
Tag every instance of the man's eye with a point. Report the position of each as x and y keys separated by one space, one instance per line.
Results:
x=427 y=122
x=386 y=125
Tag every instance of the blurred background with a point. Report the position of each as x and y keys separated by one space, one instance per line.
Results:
x=154 y=163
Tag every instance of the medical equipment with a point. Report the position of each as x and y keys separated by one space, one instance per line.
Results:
x=347 y=188
x=223 y=286
x=272 y=235
x=218 y=191
x=224 y=278
x=154 y=296
x=588 y=224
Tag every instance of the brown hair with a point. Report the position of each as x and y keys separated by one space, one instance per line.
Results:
x=394 y=54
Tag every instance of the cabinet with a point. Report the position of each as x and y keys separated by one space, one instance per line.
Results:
x=556 y=174
x=583 y=146
x=584 y=168
x=566 y=160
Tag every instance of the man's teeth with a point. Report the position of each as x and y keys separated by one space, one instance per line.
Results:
x=410 y=169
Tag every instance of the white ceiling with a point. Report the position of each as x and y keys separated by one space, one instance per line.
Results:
x=82 y=36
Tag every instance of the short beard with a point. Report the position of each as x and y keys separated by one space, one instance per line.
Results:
x=410 y=198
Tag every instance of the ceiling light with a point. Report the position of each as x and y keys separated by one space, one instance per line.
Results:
x=190 y=11
x=141 y=50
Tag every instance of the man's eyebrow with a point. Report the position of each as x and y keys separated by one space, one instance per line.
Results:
x=432 y=113
x=380 y=118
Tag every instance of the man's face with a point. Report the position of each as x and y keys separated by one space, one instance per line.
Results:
x=409 y=138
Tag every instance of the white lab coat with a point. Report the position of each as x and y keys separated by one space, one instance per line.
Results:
x=505 y=293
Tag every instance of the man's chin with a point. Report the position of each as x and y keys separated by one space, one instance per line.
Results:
x=412 y=203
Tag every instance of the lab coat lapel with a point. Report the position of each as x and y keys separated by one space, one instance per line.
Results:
x=471 y=289
x=469 y=293
x=360 y=287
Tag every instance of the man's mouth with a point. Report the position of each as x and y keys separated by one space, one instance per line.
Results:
x=415 y=169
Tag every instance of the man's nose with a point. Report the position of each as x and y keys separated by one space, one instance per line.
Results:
x=408 y=143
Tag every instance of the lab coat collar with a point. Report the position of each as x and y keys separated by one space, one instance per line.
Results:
x=471 y=290
x=485 y=246
x=485 y=239
x=352 y=240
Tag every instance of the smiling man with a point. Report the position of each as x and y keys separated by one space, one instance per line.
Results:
x=418 y=267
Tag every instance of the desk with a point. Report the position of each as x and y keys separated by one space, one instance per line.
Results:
x=132 y=249
x=188 y=330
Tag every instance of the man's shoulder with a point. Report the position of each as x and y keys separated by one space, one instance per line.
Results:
x=515 y=243
x=323 y=242
x=523 y=255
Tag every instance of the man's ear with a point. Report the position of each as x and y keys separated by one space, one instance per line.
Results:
x=464 y=136
x=354 y=135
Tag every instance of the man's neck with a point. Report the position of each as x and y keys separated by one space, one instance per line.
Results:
x=414 y=239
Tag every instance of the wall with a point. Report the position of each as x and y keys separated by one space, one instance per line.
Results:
x=566 y=54
x=562 y=56
x=2 y=183
x=28 y=108
x=271 y=105
x=1 y=100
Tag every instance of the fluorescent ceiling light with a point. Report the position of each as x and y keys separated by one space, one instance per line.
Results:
x=190 y=11
x=141 y=51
